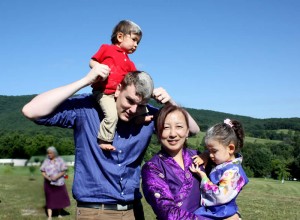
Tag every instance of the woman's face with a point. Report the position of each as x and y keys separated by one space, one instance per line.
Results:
x=175 y=132
x=51 y=155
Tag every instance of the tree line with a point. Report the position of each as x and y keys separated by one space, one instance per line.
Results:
x=20 y=138
x=276 y=160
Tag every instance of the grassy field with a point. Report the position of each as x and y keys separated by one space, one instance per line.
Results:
x=23 y=198
x=196 y=140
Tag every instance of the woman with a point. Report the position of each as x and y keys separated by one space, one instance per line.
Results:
x=169 y=186
x=53 y=170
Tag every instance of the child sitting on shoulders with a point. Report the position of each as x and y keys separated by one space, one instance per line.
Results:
x=125 y=39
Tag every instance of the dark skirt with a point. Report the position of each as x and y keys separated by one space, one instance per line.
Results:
x=56 y=196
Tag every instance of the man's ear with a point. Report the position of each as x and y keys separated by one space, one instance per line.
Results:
x=231 y=148
x=118 y=90
x=120 y=37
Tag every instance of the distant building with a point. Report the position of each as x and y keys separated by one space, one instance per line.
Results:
x=38 y=160
x=13 y=162
x=35 y=161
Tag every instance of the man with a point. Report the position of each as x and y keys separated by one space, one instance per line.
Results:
x=106 y=183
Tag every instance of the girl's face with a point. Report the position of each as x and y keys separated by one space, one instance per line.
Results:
x=174 y=133
x=128 y=42
x=219 y=153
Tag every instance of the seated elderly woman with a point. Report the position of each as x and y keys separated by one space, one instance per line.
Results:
x=169 y=186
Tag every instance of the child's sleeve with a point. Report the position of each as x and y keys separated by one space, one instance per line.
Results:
x=229 y=186
x=99 y=55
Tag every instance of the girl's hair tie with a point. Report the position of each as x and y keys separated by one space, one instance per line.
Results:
x=228 y=122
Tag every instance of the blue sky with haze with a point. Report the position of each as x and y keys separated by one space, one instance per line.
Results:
x=235 y=56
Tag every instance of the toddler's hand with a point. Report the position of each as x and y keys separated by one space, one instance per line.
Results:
x=141 y=119
x=108 y=147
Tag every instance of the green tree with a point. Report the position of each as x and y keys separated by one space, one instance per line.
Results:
x=281 y=169
x=258 y=157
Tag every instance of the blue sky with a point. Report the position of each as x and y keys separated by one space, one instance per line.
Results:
x=235 y=56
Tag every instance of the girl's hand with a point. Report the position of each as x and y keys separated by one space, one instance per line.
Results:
x=196 y=169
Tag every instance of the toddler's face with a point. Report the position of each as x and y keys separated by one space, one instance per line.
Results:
x=129 y=42
x=218 y=152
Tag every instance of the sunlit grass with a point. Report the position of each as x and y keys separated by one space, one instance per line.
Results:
x=197 y=140
x=22 y=198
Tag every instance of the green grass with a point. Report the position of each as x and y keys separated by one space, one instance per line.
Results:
x=22 y=198
x=260 y=141
x=197 y=140
x=270 y=199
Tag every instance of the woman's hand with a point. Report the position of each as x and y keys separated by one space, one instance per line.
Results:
x=55 y=178
x=161 y=95
x=48 y=178
x=198 y=160
x=201 y=159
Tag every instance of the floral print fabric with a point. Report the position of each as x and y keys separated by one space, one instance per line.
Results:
x=52 y=168
x=219 y=192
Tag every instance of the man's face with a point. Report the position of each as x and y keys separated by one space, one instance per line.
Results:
x=128 y=103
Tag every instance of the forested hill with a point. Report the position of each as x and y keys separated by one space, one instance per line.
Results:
x=278 y=156
x=11 y=119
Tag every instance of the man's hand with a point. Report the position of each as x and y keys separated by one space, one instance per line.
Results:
x=98 y=72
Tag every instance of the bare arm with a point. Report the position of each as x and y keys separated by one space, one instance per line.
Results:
x=92 y=63
x=47 y=102
x=45 y=176
x=161 y=95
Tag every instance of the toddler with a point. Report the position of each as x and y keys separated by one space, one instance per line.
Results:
x=125 y=39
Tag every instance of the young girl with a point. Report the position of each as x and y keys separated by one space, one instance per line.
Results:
x=125 y=38
x=227 y=178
